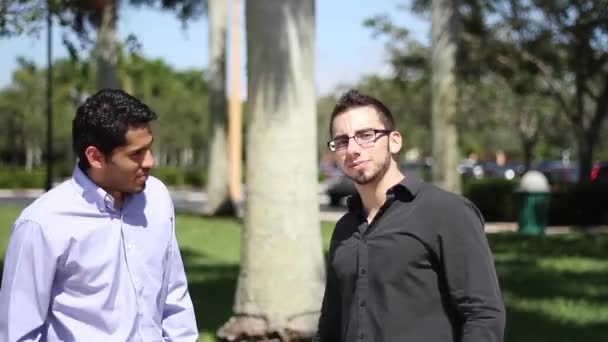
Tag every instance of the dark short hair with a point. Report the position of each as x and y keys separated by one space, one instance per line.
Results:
x=354 y=99
x=103 y=120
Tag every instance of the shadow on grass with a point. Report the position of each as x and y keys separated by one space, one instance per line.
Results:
x=524 y=275
x=572 y=245
x=212 y=286
x=527 y=326
x=566 y=269
x=527 y=279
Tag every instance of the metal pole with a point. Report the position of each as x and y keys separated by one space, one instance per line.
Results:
x=49 y=99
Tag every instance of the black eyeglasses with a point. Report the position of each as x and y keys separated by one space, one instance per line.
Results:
x=365 y=138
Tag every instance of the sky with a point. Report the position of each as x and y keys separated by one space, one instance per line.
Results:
x=345 y=50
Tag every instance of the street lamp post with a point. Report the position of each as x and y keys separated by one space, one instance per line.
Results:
x=49 y=99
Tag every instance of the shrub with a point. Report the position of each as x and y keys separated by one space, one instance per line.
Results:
x=494 y=198
x=570 y=204
x=579 y=204
x=173 y=176
x=18 y=178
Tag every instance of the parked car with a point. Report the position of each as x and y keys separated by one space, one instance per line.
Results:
x=557 y=171
x=340 y=186
x=490 y=169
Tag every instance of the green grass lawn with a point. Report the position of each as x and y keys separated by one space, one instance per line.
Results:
x=555 y=287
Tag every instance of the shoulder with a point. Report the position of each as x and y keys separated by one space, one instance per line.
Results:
x=448 y=209
x=28 y=236
x=38 y=223
x=50 y=204
x=156 y=187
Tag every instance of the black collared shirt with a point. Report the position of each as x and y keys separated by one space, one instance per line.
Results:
x=422 y=271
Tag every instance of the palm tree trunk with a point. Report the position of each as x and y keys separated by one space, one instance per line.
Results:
x=444 y=95
x=107 y=47
x=218 y=202
x=280 y=286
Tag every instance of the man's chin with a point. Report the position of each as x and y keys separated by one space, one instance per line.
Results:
x=138 y=188
x=363 y=179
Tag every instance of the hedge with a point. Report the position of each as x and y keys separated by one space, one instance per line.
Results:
x=177 y=177
x=19 y=178
x=493 y=197
x=22 y=179
x=570 y=204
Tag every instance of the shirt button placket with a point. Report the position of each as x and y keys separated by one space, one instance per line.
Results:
x=362 y=288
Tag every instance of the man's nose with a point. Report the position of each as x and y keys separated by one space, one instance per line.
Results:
x=148 y=161
x=353 y=147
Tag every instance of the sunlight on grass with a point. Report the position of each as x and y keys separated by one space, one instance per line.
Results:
x=573 y=264
x=562 y=309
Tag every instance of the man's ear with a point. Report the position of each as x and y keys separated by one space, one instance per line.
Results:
x=395 y=142
x=95 y=157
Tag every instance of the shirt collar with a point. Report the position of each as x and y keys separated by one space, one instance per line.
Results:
x=91 y=192
x=406 y=190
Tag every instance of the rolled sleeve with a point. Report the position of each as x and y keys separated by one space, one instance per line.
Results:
x=329 y=320
x=27 y=281
x=471 y=276
x=179 y=322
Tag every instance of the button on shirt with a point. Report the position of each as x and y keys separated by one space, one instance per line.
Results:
x=420 y=271
x=78 y=269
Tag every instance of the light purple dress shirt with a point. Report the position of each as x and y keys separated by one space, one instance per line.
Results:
x=77 y=269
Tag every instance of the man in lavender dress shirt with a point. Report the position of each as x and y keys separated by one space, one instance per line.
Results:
x=96 y=258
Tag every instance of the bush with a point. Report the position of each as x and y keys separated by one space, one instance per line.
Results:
x=570 y=204
x=494 y=198
x=574 y=204
x=19 y=178
x=173 y=176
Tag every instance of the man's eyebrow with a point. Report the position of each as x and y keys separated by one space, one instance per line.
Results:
x=144 y=147
x=356 y=132
x=364 y=130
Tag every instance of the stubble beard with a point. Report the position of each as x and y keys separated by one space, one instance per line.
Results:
x=364 y=179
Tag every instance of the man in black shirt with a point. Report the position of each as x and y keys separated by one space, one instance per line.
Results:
x=408 y=261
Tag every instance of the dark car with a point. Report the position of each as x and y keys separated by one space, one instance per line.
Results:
x=558 y=172
x=490 y=169
x=340 y=186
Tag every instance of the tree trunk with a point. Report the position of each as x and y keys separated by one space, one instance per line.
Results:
x=585 y=142
x=107 y=47
x=218 y=202
x=29 y=157
x=280 y=285
x=527 y=148
x=528 y=123
x=444 y=95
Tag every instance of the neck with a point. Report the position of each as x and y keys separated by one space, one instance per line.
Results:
x=119 y=198
x=373 y=195
x=99 y=181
